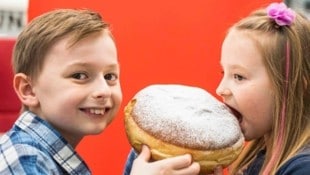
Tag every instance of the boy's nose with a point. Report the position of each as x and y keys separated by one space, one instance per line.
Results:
x=102 y=90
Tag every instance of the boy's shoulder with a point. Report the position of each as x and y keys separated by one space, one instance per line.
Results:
x=15 y=137
x=30 y=132
x=19 y=142
x=32 y=146
x=21 y=154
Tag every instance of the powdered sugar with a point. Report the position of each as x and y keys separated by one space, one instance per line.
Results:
x=186 y=116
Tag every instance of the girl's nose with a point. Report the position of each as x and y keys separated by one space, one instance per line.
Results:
x=222 y=90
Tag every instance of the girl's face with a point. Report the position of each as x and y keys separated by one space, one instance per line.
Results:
x=245 y=85
x=78 y=90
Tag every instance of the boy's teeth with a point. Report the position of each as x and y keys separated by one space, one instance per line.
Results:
x=96 y=111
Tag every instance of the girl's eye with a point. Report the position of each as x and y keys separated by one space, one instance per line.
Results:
x=79 y=76
x=238 y=77
x=110 y=77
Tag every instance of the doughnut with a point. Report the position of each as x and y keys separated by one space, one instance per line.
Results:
x=176 y=119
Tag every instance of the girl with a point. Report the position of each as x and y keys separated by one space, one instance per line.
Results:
x=266 y=81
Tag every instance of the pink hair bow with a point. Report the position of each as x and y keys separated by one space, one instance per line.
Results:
x=281 y=14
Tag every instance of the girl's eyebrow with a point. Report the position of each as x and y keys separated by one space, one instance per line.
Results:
x=233 y=66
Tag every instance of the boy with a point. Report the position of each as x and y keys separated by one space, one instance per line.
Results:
x=67 y=78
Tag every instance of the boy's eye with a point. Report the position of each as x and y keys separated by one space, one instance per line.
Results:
x=79 y=76
x=110 y=77
x=238 y=77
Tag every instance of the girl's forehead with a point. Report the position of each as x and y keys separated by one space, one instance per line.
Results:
x=239 y=43
x=240 y=49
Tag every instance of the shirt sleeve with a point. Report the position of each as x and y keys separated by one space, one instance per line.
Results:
x=131 y=157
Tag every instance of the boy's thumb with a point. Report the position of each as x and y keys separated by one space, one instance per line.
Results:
x=145 y=153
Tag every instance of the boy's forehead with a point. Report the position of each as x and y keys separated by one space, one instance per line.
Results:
x=98 y=45
x=71 y=41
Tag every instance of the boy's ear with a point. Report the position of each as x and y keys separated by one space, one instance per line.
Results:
x=24 y=90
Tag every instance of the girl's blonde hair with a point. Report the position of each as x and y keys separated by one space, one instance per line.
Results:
x=290 y=132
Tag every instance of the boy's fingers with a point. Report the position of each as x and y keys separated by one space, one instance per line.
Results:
x=145 y=153
x=194 y=168
x=179 y=161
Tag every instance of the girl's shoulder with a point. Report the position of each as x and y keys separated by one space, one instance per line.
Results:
x=297 y=165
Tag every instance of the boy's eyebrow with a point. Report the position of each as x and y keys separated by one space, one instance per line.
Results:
x=86 y=64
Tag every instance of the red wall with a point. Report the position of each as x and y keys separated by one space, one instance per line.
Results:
x=158 y=41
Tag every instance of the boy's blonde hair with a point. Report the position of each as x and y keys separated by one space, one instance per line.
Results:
x=37 y=38
x=271 y=39
x=44 y=31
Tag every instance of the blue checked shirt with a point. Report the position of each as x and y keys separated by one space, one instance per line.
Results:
x=33 y=147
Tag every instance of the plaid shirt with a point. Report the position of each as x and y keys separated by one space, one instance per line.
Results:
x=33 y=147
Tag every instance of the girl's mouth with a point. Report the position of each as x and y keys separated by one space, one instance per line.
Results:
x=236 y=113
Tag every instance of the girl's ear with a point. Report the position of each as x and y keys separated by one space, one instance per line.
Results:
x=24 y=90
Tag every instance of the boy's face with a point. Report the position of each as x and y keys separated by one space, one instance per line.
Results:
x=78 y=89
x=245 y=85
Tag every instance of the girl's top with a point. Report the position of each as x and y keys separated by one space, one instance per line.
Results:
x=297 y=165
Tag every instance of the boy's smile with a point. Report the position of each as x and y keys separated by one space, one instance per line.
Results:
x=95 y=111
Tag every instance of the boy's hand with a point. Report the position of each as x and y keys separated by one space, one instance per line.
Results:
x=180 y=165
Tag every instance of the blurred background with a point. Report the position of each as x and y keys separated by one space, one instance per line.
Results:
x=158 y=42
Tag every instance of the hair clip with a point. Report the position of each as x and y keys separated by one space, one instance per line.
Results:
x=281 y=14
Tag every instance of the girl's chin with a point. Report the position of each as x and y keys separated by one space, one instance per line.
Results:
x=245 y=134
x=248 y=138
x=242 y=128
